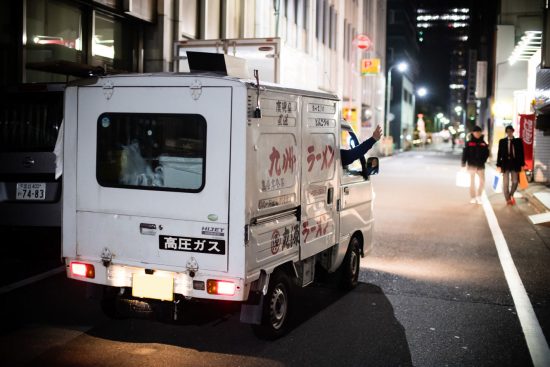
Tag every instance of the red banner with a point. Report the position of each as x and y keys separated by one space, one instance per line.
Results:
x=527 y=134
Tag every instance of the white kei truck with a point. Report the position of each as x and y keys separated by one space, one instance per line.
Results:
x=195 y=186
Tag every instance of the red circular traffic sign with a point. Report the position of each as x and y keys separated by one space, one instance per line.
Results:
x=363 y=42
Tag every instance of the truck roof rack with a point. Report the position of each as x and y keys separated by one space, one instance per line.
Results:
x=68 y=68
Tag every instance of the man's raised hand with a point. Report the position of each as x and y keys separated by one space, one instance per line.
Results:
x=377 y=134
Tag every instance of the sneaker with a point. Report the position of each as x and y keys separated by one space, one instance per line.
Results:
x=509 y=202
x=473 y=201
x=513 y=201
x=478 y=200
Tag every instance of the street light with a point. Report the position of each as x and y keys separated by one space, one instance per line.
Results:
x=401 y=67
x=422 y=92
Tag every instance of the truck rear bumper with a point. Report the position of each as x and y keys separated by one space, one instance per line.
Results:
x=122 y=276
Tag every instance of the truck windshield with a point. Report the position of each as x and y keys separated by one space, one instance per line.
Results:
x=30 y=121
x=151 y=151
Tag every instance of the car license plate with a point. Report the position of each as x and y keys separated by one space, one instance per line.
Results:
x=31 y=191
x=153 y=286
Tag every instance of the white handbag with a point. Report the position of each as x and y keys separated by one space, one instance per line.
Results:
x=462 y=178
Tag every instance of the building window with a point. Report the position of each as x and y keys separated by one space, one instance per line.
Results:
x=326 y=23
x=57 y=31
x=319 y=10
x=189 y=15
x=301 y=13
x=346 y=40
x=106 y=41
x=211 y=19
x=53 y=33
x=332 y=35
x=305 y=9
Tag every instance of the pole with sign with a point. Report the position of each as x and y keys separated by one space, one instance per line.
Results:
x=362 y=43
x=370 y=66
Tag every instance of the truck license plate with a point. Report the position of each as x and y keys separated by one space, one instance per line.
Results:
x=153 y=286
x=30 y=191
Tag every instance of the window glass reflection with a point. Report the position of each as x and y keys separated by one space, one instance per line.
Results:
x=106 y=41
x=53 y=32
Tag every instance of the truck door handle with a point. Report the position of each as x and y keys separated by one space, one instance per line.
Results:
x=147 y=229
x=346 y=190
x=330 y=195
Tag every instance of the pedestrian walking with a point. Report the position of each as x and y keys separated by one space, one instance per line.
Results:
x=474 y=155
x=510 y=160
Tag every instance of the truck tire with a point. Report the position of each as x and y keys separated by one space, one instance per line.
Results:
x=350 y=266
x=276 y=307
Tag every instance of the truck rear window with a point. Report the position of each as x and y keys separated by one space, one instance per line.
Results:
x=151 y=151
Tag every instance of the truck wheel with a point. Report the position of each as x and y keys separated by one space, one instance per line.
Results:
x=350 y=266
x=276 y=307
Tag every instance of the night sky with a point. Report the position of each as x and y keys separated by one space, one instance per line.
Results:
x=435 y=50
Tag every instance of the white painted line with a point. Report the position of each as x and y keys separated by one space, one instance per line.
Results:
x=539 y=218
x=36 y=278
x=536 y=342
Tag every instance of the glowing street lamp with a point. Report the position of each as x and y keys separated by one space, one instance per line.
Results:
x=401 y=67
x=422 y=92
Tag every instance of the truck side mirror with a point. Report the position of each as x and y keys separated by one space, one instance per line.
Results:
x=372 y=166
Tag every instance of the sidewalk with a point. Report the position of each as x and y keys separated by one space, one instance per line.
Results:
x=538 y=194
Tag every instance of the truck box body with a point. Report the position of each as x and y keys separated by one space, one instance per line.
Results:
x=171 y=181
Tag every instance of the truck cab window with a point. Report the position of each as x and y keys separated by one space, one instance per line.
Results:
x=353 y=169
x=151 y=151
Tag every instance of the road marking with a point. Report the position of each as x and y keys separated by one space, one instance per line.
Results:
x=536 y=342
x=36 y=278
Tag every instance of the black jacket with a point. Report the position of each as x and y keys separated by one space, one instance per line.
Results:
x=510 y=163
x=348 y=156
x=475 y=152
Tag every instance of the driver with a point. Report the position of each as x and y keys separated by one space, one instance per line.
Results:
x=349 y=155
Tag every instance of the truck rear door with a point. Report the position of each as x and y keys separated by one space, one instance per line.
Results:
x=153 y=175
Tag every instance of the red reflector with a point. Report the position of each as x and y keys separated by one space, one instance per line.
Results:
x=83 y=270
x=220 y=287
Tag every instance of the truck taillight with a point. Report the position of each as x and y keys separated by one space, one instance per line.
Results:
x=220 y=287
x=83 y=270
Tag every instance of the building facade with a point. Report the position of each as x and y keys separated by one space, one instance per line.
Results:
x=521 y=82
x=139 y=36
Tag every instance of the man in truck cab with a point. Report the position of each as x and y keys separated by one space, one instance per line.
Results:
x=350 y=155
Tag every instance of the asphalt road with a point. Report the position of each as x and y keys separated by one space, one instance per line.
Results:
x=433 y=293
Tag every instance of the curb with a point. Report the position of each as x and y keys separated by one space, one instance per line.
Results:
x=536 y=203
